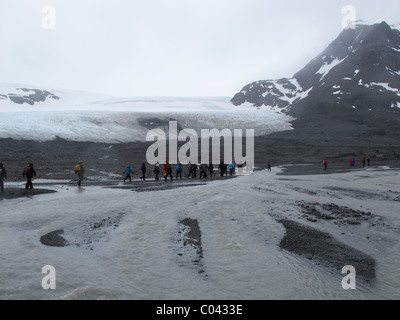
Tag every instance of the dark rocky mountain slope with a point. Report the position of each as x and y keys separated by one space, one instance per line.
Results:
x=356 y=76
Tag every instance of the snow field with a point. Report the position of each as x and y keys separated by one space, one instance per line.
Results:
x=134 y=257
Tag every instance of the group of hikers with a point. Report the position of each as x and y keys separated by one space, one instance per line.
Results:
x=192 y=170
x=364 y=161
x=29 y=172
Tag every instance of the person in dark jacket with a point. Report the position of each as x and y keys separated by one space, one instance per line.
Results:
x=222 y=168
x=143 y=169
x=3 y=175
x=211 y=169
x=195 y=170
x=29 y=172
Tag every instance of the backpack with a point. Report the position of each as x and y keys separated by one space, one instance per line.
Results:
x=28 y=171
x=178 y=167
x=77 y=168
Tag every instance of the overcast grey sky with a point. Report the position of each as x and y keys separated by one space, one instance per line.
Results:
x=169 y=47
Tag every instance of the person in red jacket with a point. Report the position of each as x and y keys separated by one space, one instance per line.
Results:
x=190 y=170
x=167 y=170
x=325 y=164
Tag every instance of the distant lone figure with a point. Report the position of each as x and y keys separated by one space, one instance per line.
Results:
x=29 y=172
x=3 y=175
x=80 y=171
x=368 y=161
x=269 y=166
x=326 y=164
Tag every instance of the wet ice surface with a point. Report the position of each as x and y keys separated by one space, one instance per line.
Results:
x=124 y=244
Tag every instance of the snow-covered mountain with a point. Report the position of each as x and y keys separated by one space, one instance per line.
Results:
x=358 y=70
x=29 y=96
x=23 y=97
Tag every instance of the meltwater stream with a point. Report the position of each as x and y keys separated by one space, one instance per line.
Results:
x=131 y=245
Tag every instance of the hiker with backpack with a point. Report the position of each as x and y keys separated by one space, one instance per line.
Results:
x=127 y=173
x=80 y=171
x=167 y=170
x=3 y=175
x=29 y=172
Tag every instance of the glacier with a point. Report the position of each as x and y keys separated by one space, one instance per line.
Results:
x=87 y=117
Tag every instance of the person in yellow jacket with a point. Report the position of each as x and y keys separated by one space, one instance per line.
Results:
x=80 y=171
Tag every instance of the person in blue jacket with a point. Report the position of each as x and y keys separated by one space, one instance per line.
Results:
x=178 y=171
x=127 y=173
x=231 y=168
